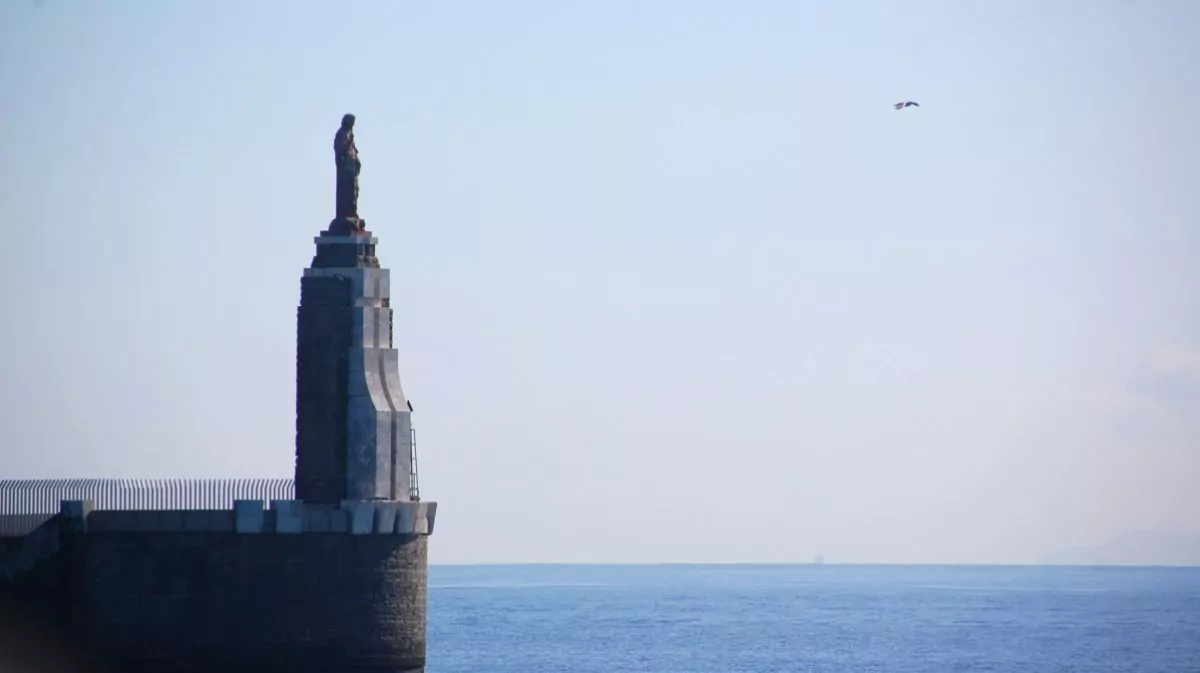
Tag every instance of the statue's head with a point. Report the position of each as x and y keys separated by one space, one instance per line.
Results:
x=347 y=121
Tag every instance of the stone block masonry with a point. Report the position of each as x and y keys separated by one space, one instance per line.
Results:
x=306 y=603
x=289 y=587
x=353 y=421
x=324 y=325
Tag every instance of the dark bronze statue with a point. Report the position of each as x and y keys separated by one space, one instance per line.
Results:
x=345 y=155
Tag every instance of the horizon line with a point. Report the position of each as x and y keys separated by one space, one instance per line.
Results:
x=644 y=564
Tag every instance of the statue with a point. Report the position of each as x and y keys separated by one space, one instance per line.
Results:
x=345 y=156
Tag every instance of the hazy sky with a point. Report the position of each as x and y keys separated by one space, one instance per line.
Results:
x=673 y=281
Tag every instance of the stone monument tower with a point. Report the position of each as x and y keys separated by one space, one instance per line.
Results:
x=354 y=436
x=332 y=578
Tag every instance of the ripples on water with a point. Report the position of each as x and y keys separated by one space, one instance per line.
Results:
x=831 y=619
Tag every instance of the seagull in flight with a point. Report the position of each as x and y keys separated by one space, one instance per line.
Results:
x=905 y=103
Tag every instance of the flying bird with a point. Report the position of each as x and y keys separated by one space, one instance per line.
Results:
x=905 y=103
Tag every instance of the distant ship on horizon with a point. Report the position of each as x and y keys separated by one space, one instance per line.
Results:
x=819 y=559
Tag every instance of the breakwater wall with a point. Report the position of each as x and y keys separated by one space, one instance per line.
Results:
x=279 y=586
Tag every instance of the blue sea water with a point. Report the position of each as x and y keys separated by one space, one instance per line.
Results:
x=819 y=618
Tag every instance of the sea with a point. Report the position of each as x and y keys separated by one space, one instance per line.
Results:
x=820 y=618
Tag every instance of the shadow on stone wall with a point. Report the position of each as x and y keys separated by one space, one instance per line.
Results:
x=32 y=642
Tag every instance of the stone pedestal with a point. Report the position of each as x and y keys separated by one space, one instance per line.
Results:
x=347 y=226
x=353 y=425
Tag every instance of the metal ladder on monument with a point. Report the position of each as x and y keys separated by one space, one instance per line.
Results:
x=414 y=491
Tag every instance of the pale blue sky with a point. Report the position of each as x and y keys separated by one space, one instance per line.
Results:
x=673 y=282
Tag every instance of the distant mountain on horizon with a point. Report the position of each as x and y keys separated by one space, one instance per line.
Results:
x=1141 y=548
